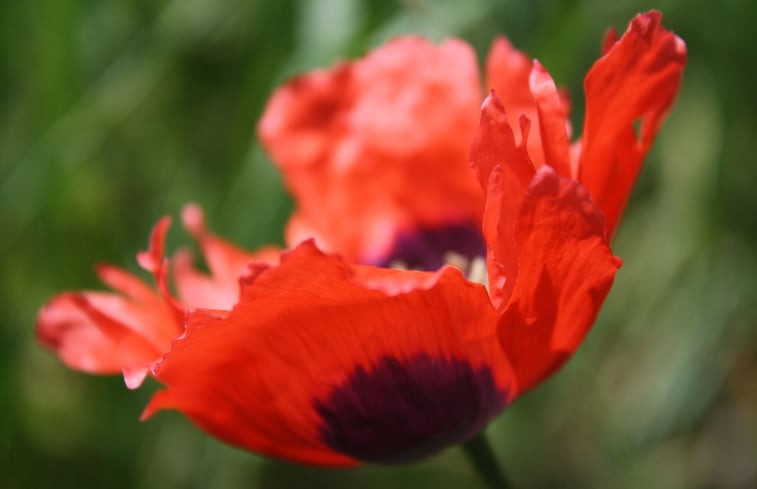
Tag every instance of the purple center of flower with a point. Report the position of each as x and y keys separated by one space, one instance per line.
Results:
x=401 y=411
x=427 y=249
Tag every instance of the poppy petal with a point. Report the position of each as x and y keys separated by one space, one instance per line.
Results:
x=134 y=376
x=391 y=281
x=125 y=331
x=509 y=73
x=636 y=80
x=64 y=327
x=293 y=369
x=504 y=171
x=365 y=147
x=152 y=259
x=552 y=121
x=611 y=37
x=220 y=289
x=565 y=269
x=80 y=329
x=140 y=305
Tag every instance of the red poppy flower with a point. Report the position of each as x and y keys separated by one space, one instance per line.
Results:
x=326 y=359
x=329 y=362
x=128 y=331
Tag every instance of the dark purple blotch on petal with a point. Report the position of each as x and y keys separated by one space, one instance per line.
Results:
x=403 y=410
x=425 y=249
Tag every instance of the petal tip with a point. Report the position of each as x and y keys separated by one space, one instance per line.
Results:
x=193 y=218
x=152 y=259
x=134 y=377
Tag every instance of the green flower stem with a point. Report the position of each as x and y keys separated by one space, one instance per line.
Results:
x=479 y=453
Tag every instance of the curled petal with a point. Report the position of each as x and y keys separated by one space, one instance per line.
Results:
x=504 y=170
x=565 y=269
x=635 y=81
x=139 y=306
x=152 y=259
x=125 y=331
x=552 y=121
x=509 y=73
x=611 y=37
x=104 y=333
x=63 y=326
x=321 y=363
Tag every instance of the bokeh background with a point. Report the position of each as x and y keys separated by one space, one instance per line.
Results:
x=115 y=112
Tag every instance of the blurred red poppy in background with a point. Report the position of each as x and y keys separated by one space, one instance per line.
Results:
x=328 y=359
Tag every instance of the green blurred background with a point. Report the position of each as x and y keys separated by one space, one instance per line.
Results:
x=115 y=112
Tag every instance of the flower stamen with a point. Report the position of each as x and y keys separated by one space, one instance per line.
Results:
x=456 y=260
x=478 y=273
x=474 y=269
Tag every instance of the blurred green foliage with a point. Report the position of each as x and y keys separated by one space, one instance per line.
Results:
x=114 y=112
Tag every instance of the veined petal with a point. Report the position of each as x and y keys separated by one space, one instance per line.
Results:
x=103 y=333
x=137 y=307
x=64 y=326
x=106 y=333
x=565 y=269
x=635 y=81
x=318 y=364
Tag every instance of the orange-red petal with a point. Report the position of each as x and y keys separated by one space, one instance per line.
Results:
x=265 y=376
x=379 y=146
x=549 y=263
x=552 y=121
x=152 y=259
x=504 y=171
x=226 y=263
x=565 y=269
x=106 y=333
x=64 y=325
x=635 y=81
x=508 y=73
